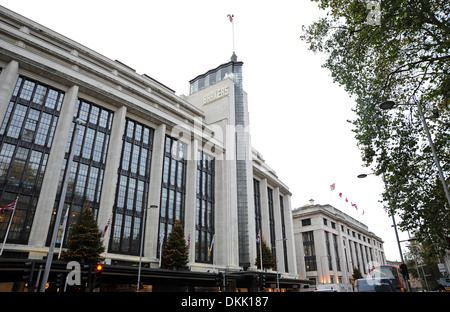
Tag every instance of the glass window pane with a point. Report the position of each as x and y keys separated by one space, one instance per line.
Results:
x=133 y=187
x=23 y=159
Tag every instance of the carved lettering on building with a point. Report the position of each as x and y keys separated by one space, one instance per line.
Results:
x=215 y=95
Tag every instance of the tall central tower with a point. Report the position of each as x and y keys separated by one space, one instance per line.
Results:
x=240 y=144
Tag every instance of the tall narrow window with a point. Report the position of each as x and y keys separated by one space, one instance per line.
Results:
x=257 y=199
x=362 y=258
x=173 y=186
x=271 y=220
x=336 y=252
x=309 y=251
x=357 y=257
x=352 y=259
x=26 y=136
x=86 y=173
x=345 y=254
x=204 y=225
x=283 y=233
x=327 y=244
x=132 y=188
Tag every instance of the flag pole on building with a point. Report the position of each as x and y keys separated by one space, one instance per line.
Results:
x=332 y=188
x=66 y=216
x=210 y=251
x=12 y=207
x=231 y=18
x=258 y=240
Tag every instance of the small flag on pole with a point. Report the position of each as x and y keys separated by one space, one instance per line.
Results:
x=106 y=227
x=258 y=237
x=332 y=186
x=12 y=207
x=230 y=17
x=9 y=207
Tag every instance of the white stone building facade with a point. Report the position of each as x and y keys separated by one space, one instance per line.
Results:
x=142 y=145
x=330 y=244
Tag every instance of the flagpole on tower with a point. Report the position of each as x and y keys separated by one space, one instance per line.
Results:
x=231 y=18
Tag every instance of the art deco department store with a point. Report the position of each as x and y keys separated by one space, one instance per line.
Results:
x=140 y=145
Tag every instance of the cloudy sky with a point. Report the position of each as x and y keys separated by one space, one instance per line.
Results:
x=298 y=116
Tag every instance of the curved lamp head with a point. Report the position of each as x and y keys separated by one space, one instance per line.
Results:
x=387 y=105
x=361 y=176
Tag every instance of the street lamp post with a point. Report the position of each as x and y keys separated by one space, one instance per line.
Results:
x=400 y=249
x=361 y=176
x=144 y=222
x=59 y=210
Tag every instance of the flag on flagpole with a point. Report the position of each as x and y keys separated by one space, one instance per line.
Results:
x=258 y=237
x=332 y=186
x=9 y=207
x=106 y=227
x=231 y=18
x=12 y=207
x=340 y=195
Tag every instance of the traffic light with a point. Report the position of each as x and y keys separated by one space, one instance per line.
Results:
x=404 y=270
x=28 y=273
x=98 y=275
x=59 y=280
x=258 y=282
x=218 y=279
x=261 y=282
x=85 y=275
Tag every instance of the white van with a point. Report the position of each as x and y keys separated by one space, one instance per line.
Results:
x=334 y=288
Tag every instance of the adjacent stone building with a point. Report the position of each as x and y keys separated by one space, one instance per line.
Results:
x=330 y=244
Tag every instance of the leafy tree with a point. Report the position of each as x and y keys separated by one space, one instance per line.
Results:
x=268 y=260
x=175 y=252
x=403 y=56
x=85 y=245
x=356 y=274
x=427 y=261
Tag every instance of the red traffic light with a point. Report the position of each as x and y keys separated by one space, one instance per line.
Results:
x=98 y=268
